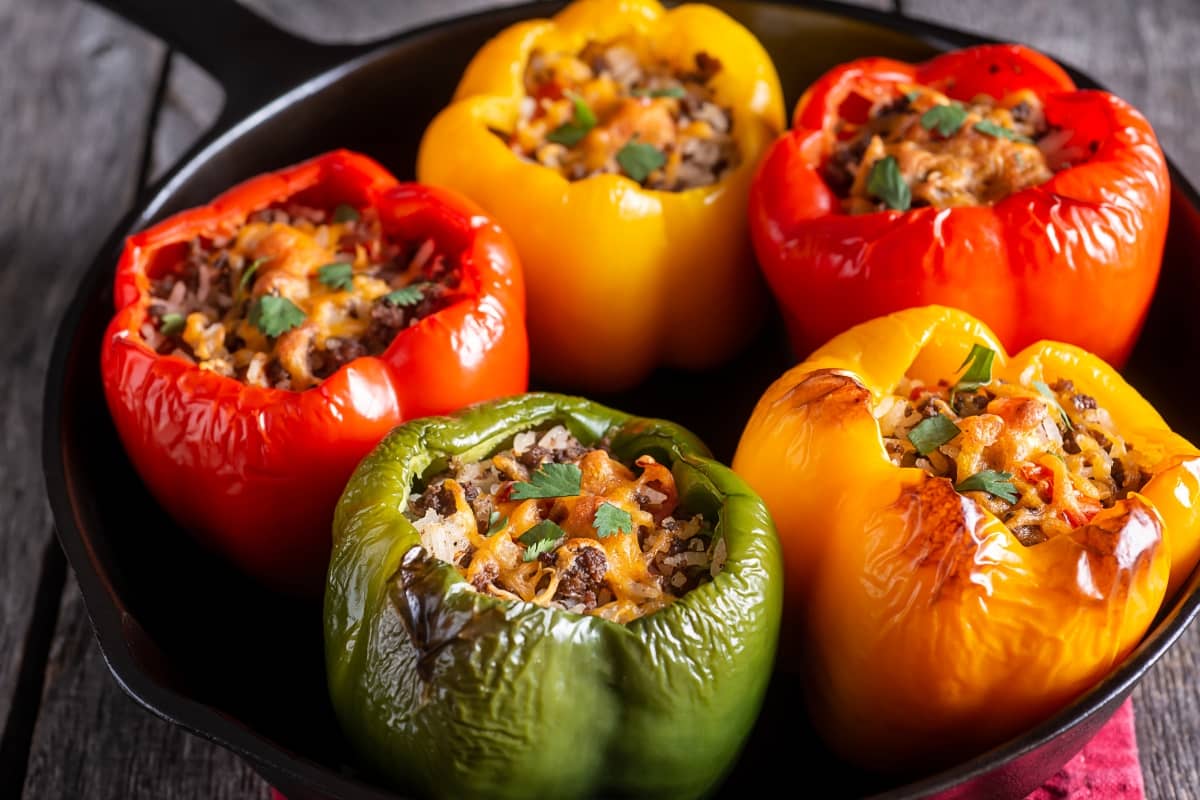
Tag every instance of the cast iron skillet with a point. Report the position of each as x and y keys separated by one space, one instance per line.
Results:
x=204 y=648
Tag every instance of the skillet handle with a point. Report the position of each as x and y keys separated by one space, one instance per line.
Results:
x=250 y=58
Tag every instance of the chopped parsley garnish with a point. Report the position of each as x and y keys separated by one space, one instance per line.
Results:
x=669 y=91
x=541 y=538
x=550 y=480
x=931 y=433
x=989 y=128
x=345 y=213
x=979 y=369
x=998 y=484
x=406 y=295
x=638 y=159
x=886 y=183
x=171 y=324
x=495 y=523
x=571 y=133
x=274 y=315
x=248 y=274
x=610 y=519
x=1048 y=393
x=945 y=119
x=912 y=96
x=338 y=275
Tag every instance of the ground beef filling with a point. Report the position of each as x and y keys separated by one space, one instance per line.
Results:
x=1063 y=459
x=293 y=293
x=611 y=542
x=948 y=153
x=612 y=109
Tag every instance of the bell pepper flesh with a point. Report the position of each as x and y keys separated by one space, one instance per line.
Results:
x=925 y=631
x=1073 y=259
x=618 y=276
x=459 y=694
x=255 y=472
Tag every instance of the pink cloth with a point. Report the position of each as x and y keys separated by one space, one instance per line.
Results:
x=1106 y=768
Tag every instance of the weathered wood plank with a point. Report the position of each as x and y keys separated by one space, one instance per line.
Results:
x=1149 y=54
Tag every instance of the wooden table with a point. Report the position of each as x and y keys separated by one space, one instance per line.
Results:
x=94 y=110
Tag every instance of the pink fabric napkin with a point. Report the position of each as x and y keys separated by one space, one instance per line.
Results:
x=1107 y=768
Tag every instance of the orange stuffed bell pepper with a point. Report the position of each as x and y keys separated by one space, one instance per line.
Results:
x=264 y=343
x=982 y=179
x=616 y=143
x=970 y=539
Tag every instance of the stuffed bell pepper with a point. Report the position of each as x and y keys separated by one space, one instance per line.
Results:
x=616 y=143
x=982 y=179
x=265 y=343
x=971 y=539
x=543 y=597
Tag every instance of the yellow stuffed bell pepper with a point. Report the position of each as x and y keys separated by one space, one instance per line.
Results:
x=971 y=540
x=616 y=143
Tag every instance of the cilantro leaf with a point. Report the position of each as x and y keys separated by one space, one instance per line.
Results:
x=998 y=484
x=550 y=480
x=638 y=159
x=989 y=128
x=345 y=213
x=669 y=91
x=886 y=183
x=171 y=324
x=495 y=523
x=1048 y=393
x=338 y=275
x=911 y=96
x=931 y=433
x=274 y=315
x=248 y=274
x=541 y=538
x=610 y=519
x=582 y=121
x=946 y=119
x=979 y=373
x=406 y=295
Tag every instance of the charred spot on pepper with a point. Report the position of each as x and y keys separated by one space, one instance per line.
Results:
x=941 y=528
x=1115 y=547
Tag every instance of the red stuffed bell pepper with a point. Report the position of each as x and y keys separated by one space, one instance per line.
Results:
x=982 y=179
x=265 y=343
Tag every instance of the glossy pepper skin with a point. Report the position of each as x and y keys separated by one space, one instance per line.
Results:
x=620 y=279
x=256 y=472
x=453 y=693
x=1089 y=238
x=924 y=631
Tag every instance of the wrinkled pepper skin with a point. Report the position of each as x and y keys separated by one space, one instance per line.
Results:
x=924 y=631
x=254 y=472
x=613 y=268
x=1089 y=238
x=453 y=693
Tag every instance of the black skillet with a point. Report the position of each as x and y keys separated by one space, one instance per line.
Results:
x=204 y=648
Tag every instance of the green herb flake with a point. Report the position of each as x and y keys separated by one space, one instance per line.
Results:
x=979 y=369
x=582 y=121
x=945 y=119
x=676 y=92
x=610 y=519
x=496 y=523
x=406 y=295
x=998 y=484
x=550 y=480
x=886 y=183
x=912 y=96
x=248 y=274
x=1048 y=393
x=274 y=315
x=345 y=213
x=541 y=538
x=171 y=324
x=931 y=433
x=638 y=159
x=989 y=128
x=338 y=275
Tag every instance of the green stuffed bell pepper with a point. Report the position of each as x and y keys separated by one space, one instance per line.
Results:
x=543 y=597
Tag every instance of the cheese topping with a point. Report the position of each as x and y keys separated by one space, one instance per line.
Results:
x=551 y=522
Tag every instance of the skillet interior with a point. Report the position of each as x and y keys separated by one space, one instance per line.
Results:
x=188 y=637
